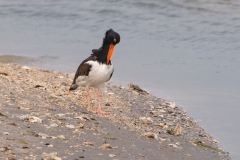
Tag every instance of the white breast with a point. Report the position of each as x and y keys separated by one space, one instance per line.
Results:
x=98 y=75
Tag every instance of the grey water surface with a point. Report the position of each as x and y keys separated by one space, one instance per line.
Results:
x=187 y=51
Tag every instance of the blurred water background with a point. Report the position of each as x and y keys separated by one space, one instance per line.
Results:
x=187 y=51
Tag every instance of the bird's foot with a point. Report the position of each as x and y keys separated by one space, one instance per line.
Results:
x=91 y=110
x=101 y=111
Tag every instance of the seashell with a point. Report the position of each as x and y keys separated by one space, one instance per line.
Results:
x=106 y=146
x=175 y=131
x=70 y=126
x=112 y=155
x=149 y=135
x=88 y=143
x=34 y=119
x=171 y=104
x=61 y=137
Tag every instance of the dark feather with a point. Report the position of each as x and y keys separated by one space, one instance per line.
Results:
x=96 y=51
x=111 y=74
x=106 y=34
x=83 y=70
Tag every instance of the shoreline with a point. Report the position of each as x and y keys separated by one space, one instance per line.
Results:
x=39 y=115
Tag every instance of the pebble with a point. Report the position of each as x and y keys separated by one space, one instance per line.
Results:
x=35 y=119
x=145 y=120
x=160 y=124
x=115 y=147
x=61 y=137
x=159 y=107
x=149 y=119
x=80 y=125
x=79 y=117
x=173 y=145
x=24 y=117
x=60 y=115
x=5 y=133
x=70 y=126
x=86 y=118
x=53 y=125
x=149 y=135
x=175 y=131
x=50 y=145
x=162 y=139
x=151 y=107
x=178 y=143
x=121 y=87
x=165 y=126
x=25 y=67
x=88 y=143
x=171 y=104
x=52 y=155
x=112 y=155
x=215 y=141
x=106 y=146
x=162 y=110
x=44 y=136
x=76 y=131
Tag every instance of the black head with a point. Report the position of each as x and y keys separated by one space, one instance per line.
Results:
x=104 y=53
x=111 y=37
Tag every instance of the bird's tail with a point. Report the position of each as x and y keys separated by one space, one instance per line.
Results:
x=73 y=87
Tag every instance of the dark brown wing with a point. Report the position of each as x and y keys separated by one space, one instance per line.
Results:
x=84 y=68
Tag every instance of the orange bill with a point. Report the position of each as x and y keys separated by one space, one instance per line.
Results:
x=110 y=50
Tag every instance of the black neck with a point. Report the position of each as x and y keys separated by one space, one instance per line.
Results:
x=102 y=54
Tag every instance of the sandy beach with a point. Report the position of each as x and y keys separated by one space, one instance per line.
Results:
x=41 y=119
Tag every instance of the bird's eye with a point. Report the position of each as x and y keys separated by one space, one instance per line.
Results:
x=114 y=40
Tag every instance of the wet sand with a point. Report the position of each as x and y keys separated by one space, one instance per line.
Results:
x=18 y=59
x=41 y=119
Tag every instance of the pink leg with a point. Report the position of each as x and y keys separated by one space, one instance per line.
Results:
x=100 y=111
x=88 y=99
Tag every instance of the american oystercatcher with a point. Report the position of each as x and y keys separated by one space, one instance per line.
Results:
x=97 y=69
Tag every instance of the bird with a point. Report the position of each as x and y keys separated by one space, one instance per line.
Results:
x=97 y=68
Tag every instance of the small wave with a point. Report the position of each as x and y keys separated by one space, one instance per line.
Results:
x=192 y=6
x=107 y=11
x=148 y=5
x=53 y=14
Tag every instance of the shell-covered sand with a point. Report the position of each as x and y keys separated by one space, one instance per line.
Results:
x=41 y=119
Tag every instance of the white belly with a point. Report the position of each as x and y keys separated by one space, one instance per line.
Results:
x=98 y=75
